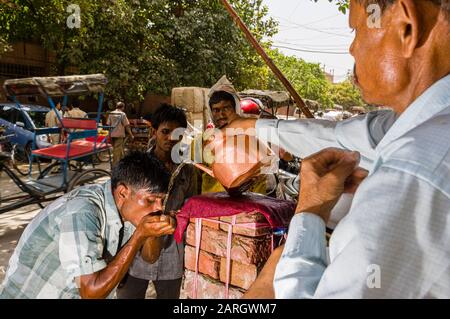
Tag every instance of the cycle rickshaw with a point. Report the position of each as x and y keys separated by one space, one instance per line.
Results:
x=82 y=146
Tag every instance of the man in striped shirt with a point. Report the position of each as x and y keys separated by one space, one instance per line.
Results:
x=81 y=245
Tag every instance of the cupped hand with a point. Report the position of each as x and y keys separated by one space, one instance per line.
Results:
x=324 y=177
x=156 y=226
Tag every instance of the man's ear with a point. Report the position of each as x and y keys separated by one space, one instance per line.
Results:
x=122 y=193
x=408 y=26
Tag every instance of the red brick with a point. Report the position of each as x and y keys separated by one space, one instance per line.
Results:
x=208 y=288
x=246 y=250
x=208 y=264
x=241 y=275
x=253 y=217
x=247 y=218
x=248 y=231
x=207 y=223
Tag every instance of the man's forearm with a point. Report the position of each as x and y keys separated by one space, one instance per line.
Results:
x=307 y=136
x=262 y=288
x=129 y=131
x=151 y=250
x=304 y=258
x=100 y=284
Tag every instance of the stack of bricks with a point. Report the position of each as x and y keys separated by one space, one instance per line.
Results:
x=251 y=247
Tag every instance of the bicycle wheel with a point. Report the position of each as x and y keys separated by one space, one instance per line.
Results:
x=90 y=176
x=20 y=159
x=55 y=168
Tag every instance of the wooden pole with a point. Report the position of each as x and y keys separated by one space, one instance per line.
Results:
x=297 y=99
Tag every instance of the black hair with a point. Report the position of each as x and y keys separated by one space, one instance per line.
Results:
x=141 y=171
x=220 y=96
x=75 y=103
x=169 y=113
x=148 y=117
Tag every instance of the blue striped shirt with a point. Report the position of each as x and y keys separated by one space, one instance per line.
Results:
x=78 y=234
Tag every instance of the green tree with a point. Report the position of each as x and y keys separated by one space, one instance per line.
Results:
x=346 y=94
x=307 y=78
x=205 y=43
x=45 y=22
x=145 y=46
x=4 y=46
x=310 y=82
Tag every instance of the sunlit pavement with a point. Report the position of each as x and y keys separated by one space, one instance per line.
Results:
x=12 y=223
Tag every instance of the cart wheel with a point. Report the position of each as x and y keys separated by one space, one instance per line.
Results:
x=90 y=176
x=55 y=168
x=21 y=159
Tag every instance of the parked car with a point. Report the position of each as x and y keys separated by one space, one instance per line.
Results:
x=21 y=122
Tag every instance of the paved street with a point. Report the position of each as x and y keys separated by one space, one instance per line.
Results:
x=12 y=223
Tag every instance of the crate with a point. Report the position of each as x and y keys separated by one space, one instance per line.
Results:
x=193 y=99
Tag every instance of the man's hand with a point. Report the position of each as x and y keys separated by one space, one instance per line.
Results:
x=101 y=283
x=262 y=288
x=130 y=133
x=355 y=179
x=324 y=177
x=155 y=226
x=151 y=250
x=171 y=219
x=174 y=213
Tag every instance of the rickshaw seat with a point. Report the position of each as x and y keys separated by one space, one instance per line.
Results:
x=80 y=124
x=77 y=149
